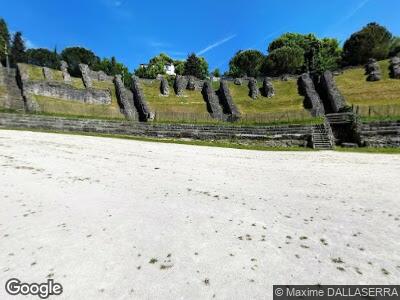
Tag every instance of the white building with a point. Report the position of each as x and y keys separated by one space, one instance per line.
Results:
x=169 y=69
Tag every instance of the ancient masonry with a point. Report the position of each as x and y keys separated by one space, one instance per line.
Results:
x=65 y=73
x=268 y=88
x=394 y=67
x=226 y=101
x=140 y=102
x=254 y=92
x=164 y=86
x=180 y=85
x=211 y=98
x=126 y=99
x=332 y=93
x=312 y=99
x=373 y=70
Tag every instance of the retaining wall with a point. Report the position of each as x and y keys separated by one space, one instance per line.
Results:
x=380 y=134
x=288 y=135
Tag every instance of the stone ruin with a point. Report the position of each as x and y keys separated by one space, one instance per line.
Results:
x=180 y=85
x=253 y=88
x=312 y=100
x=373 y=70
x=394 y=67
x=125 y=97
x=140 y=102
x=85 y=71
x=212 y=100
x=238 y=81
x=64 y=70
x=47 y=73
x=164 y=87
x=268 y=88
x=331 y=92
x=191 y=83
x=226 y=101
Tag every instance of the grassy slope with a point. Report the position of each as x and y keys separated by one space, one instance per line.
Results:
x=286 y=104
x=384 y=95
x=191 y=107
x=70 y=108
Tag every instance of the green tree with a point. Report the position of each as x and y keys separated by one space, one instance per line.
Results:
x=112 y=67
x=43 y=57
x=196 y=66
x=18 y=48
x=394 y=46
x=4 y=40
x=155 y=67
x=319 y=55
x=78 y=55
x=179 y=67
x=246 y=63
x=284 y=60
x=216 y=73
x=372 y=41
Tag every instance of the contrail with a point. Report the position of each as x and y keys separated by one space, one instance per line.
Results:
x=216 y=44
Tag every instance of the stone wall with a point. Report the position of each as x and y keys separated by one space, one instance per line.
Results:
x=125 y=98
x=380 y=134
x=212 y=101
x=287 y=135
x=312 y=100
x=331 y=93
x=140 y=101
x=226 y=101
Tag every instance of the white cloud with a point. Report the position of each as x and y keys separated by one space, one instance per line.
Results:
x=216 y=44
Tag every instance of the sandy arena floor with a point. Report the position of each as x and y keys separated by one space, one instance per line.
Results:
x=120 y=219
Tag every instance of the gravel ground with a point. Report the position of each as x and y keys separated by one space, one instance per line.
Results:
x=122 y=219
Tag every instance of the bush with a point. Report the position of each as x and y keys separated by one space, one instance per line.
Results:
x=78 y=55
x=373 y=41
x=394 y=48
x=196 y=66
x=246 y=63
x=43 y=58
x=284 y=60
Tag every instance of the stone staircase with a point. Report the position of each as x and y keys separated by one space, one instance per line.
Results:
x=320 y=138
x=340 y=118
x=12 y=98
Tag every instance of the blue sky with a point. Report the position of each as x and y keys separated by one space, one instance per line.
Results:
x=136 y=30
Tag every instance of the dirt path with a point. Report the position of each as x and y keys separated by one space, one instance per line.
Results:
x=119 y=219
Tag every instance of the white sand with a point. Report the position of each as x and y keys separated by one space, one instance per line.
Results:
x=92 y=212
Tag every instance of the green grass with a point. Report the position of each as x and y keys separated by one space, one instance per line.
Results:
x=62 y=107
x=189 y=108
x=357 y=91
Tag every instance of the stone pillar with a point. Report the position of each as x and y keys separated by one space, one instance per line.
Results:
x=47 y=73
x=140 y=102
x=268 y=88
x=124 y=99
x=373 y=70
x=64 y=70
x=211 y=99
x=164 y=87
x=312 y=100
x=179 y=85
x=85 y=71
x=191 y=83
x=253 y=88
x=227 y=101
x=238 y=81
x=331 y=92
x=394 y=67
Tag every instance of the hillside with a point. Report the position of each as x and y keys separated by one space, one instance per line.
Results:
x=372 y=98
x=57 y=106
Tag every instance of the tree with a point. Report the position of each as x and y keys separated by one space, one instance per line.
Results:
x=372 y=41
x=246 y=63
x=4 y=40
x=18 y=48
x=43 y=57
x=78 y=55
x=319 y=54
x=196 y=66
x=155 y=67
x=284 y=60
x=179 y=67
x=216 y=73
x=394 y=47
x=112 y=67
